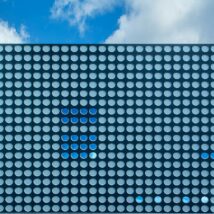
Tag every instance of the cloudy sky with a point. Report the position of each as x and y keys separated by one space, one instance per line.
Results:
x=106 y=21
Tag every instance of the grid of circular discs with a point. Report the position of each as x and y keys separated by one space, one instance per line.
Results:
x=80 y=118
x=152 y=135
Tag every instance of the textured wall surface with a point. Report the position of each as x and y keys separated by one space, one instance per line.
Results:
x=107 y=128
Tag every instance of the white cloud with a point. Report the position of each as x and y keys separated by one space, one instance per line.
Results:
x=76 y=12
x=9 y=34
x=165 y=21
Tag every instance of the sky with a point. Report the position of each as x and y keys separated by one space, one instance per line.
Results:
x=106 y=21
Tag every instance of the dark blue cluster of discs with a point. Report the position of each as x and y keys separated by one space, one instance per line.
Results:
x=206 y=155
x=76 y=146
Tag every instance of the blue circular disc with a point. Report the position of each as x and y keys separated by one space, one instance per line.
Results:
x=158 y=199
x=74 y=111
x=65 y=155
x=204 y=199
x=83 y=111
x=93 y=155
x=74 y=155
x=74 y=138
x=83 y=155
x=139 y=199
x=65 y=146
x=186 y=199
x=65 y=120
x=74 y=146
x=93 y=120
x=65 y=138
x=93 y=146
x=65 y=111
x=83 y=146
x=92 y=137
x=204 y=155
x=83 y=120
x=92 y=111
x=74 y=120
x=83 y=138
x=212 y=155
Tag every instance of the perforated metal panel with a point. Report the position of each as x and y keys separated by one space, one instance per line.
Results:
x=107 y=128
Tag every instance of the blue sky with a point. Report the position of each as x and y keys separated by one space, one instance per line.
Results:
x=106 y=21
x=35 y=15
